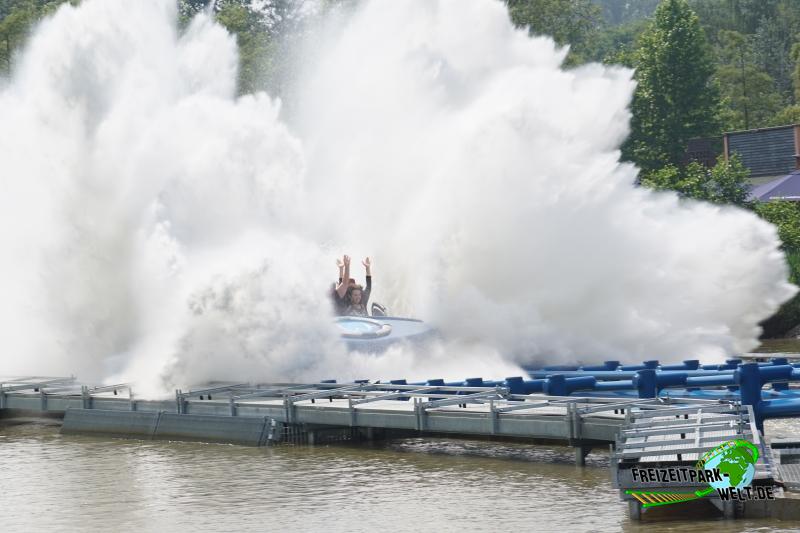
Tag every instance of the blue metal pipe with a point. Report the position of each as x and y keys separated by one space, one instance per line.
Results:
x=473 y=382
x=671 y=379
x=599 y=374
x=781 y=408
x=710 y=381
x=627 y=374
x=559 y=385
x=581 y=383
x=515 y=385
x=748 y=377
x=646 y=383
x=555 y=385
x=534 y=385
x=622 y=384
x=775 y=373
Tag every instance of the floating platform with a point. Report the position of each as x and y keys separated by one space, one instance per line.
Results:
x=634 y=416
x=266 y=414
x=273 y=413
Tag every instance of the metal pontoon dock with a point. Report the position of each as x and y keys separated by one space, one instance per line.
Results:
x=272 y=413
x=643 y=431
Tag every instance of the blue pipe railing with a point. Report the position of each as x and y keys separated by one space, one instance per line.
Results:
x=744 y=381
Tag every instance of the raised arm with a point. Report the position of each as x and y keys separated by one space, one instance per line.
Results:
x=341 y=289
x=368 y=267
x=340 y=264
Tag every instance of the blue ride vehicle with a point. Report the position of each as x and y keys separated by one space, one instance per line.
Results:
x=379 y=332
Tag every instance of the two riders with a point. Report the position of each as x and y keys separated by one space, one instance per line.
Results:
x=350 y=298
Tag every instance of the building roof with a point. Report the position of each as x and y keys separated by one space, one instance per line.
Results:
x=783 y=188
x=767 y=151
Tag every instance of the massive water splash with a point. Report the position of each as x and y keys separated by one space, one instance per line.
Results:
x=157 y=228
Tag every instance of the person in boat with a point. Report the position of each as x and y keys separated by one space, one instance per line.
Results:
x=357 y=296
x=339 y=290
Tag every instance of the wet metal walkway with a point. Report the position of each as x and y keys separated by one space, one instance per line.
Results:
x=269 y=413
x=646 y=432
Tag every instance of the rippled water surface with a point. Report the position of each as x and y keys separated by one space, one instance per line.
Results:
x=68 y=483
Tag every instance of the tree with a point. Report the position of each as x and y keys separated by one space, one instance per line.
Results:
x=617 y=44
x=786 y=217
x=14 y=29
x=787 y=115
x=750 y=13
x=795 y=55
x=569 y=22
x=16 y=20
x=715 y=15
x=725 y=183
x=772 y=47
x=675 y=99
x=749 y=96
x=621 y=11
x=743 y=16
x=265 y=34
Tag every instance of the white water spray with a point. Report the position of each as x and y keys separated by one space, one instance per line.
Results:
x=157 y=228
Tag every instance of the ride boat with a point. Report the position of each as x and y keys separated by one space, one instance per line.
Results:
x=378 y=332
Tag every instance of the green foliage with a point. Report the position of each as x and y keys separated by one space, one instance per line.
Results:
x=725 y=183
x=14 y=28
x=740 y=15
x=749 y=96
x=624 y=11
x=675 y=99
x=617 y=44
x=772 y=45
x=253 y=41
x=786 y=217
x=573 y=22
x=787 y=115
x=265 y=34
x=795 y=55
x=788 y=316
x=769 y=29
x=17 y=17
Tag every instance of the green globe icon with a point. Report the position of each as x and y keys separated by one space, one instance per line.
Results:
x=736 y=464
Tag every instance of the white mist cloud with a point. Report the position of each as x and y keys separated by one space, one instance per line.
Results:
x=157 y=228
x=491 y=183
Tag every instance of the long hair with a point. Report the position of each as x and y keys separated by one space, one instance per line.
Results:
x=349 y=295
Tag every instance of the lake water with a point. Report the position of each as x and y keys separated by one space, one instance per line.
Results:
x=71 y=483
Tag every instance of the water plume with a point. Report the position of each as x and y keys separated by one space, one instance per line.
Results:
x=158 y=228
